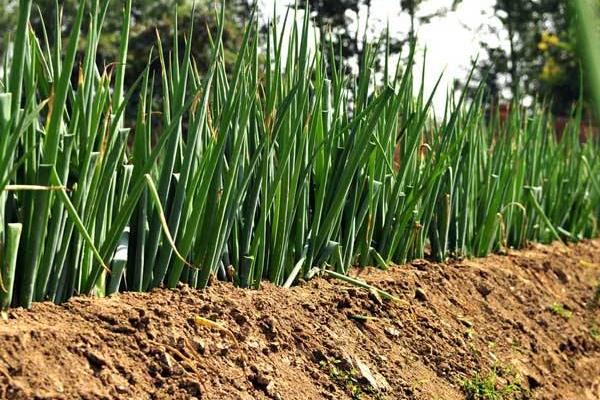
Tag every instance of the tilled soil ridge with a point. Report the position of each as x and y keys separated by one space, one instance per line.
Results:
x=525 y=325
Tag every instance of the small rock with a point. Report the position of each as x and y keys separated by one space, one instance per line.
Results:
x=274 y=346
x=465 y=322
x=95 y=359
x=377 y=381
x=345 y=361
x=374 y=296
x=120 y=383
x=561 y=275
x=420 y=295
x=444 y=366
x=239 y=318
x=223 y=349
x=270 y=390
x=166 y=362
x=121 y=389
x=267 y=324
x=192 y=387
x=533 y=382
x=421 y=265
x=199 y=345
x=390 y=330
x=239 y=386
x=262 y=380
x=484 y=289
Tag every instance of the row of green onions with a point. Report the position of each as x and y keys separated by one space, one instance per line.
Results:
x=266 y=169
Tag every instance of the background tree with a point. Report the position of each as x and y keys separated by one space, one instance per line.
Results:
x=340 y=18
x=411 y=7
x=8 y=18
x=148 y=17
x=540 y=58
x=334 y=17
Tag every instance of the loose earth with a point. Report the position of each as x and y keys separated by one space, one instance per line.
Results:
x=524 y=325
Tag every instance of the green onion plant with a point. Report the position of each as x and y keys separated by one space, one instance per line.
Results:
x=265 y=169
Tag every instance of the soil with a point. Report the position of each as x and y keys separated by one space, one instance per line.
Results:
x=521 y=325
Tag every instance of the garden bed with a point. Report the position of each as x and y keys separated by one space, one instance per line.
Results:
x=524 y=323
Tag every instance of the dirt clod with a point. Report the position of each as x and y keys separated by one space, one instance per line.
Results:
x=96 y=360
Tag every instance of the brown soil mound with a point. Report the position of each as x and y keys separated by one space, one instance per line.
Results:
x=523 y=325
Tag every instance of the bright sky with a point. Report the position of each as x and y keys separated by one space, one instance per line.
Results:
x=452 y=40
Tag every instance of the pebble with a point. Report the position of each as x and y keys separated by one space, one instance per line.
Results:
x=421 y=295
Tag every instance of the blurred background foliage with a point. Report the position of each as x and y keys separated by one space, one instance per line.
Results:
x=541 y=57
x=148 y=18
x=541 y=60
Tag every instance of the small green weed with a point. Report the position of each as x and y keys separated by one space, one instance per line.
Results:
x=499 y=384
x=595 y=332
x=349 y=379
x=560 y=310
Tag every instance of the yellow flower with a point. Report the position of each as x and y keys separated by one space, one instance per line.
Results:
x=543 y=46
x=553 y=40
x=551 y=71
x=549 y=39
